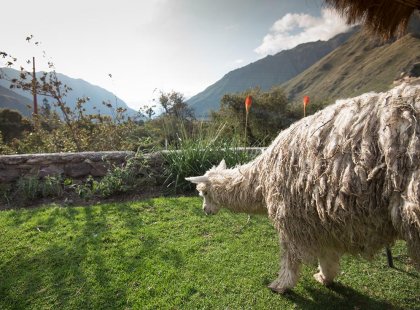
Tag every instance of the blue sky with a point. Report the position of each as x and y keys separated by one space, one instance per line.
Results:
x=181 y=45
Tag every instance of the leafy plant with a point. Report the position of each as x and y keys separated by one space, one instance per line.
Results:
x=5 y=193
x=28 y=188
x=117 y=180
x=83 y=190
x=123 y=179
x=52 y=186
x=197 y=154
x=4 y=148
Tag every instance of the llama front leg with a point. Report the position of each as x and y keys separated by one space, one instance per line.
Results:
x=329 y=266
x=288 y=274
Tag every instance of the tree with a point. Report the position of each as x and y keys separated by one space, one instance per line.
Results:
x=177 y=117
x=50 y=86
x=148 y=111
x=270 y=113
x=174 y=104
x=12 y=124
x=68 y=129
x=79 y=125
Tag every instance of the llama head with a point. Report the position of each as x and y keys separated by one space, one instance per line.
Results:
x=204 y=187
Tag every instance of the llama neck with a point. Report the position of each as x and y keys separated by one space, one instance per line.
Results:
x=238 y=190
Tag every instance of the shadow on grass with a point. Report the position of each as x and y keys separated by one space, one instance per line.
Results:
x=103 y=258
x=58 y=273
x=337 y=296
x=90 y=266
x=408 y=273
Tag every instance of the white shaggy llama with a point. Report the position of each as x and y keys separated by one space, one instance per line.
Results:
x=345 y=180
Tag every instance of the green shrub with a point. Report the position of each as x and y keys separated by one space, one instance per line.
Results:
x=4 y=148
x=52 y=186
x=199 y=153
x=123 y=179
x=118 y=180
x=269 y=114
x=5 y=193
x=28 y=188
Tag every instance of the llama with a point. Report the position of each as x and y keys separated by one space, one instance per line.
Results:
x=344 y=180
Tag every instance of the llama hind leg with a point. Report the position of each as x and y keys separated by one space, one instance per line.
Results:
x=329 y=266
x=288 y=274
x=410 y=227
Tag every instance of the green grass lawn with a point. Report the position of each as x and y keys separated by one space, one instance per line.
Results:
x=166 y=254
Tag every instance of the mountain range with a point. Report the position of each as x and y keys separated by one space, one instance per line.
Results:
x=358 y=66
x=266 y=73
x=13 y=101
x=19 y=100
x=349 y=64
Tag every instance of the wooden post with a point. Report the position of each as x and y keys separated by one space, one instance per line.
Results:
x=248 y=103
x=246 y=127
x=34 y=87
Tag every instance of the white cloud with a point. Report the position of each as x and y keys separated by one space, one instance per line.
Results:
x=294 y=29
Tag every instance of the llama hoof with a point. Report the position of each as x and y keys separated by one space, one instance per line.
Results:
x=321 y=279
x=277 y=288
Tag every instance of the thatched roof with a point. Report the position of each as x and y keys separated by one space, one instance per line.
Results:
x=385 y=18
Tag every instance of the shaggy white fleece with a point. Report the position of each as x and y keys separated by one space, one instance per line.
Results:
x=344 y=180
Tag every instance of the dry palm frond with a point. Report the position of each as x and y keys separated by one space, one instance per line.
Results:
x=385 y=18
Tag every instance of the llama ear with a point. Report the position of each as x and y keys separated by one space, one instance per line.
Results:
x=222 y=165
x=197 y=180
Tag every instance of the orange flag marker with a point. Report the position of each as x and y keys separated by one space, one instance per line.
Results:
x=305 y=103
x=248 y=103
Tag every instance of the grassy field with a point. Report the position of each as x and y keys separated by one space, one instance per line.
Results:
x=166 y=254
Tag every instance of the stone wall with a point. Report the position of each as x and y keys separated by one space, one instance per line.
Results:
x=73 y=165
x=77 y=165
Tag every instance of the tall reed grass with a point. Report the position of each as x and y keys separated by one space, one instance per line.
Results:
x=195 y=154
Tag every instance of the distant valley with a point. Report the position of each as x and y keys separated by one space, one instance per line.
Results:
x=18 y=99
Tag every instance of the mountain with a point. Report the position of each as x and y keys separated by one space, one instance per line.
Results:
x=11 y=100
x=80 y=88
x=359 y=65
x=266 y=72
